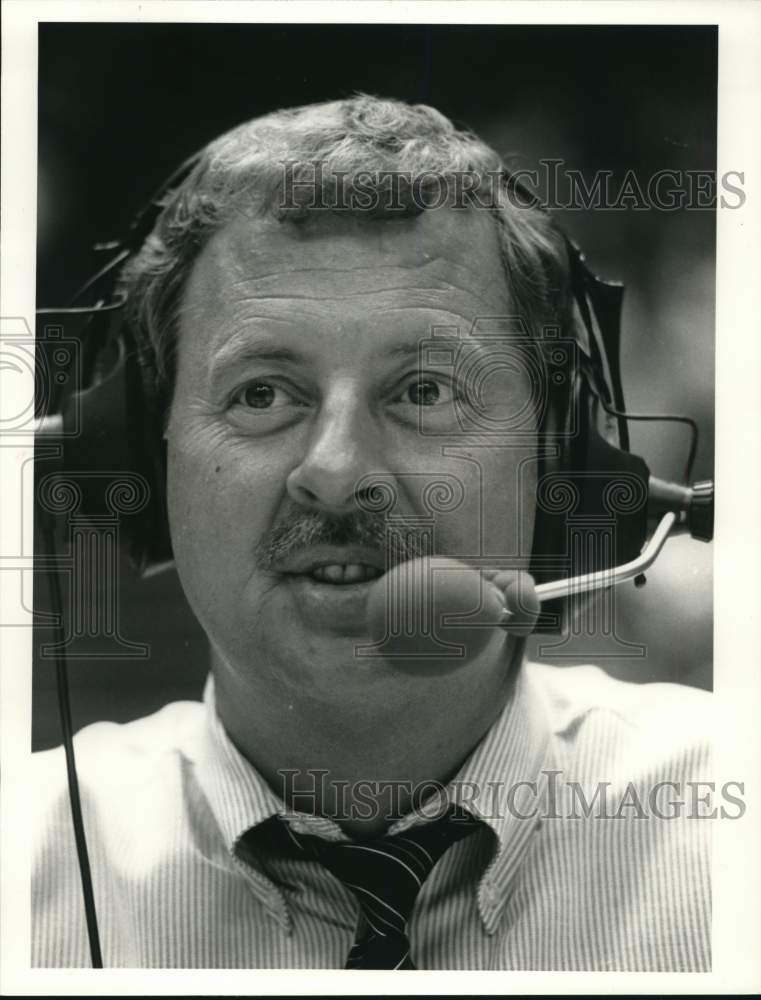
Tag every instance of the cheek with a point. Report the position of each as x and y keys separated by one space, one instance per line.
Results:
x=221 y=498
x=496 y=514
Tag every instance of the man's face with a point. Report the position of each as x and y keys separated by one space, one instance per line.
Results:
x=299 y=384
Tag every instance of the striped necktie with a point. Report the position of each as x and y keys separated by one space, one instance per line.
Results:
x=385 y=876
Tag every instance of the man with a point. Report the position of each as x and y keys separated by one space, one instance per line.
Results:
x=327 y=807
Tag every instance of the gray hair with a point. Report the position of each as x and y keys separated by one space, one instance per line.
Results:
x=360 y=136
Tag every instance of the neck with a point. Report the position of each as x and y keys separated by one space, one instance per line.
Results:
x=374 y=746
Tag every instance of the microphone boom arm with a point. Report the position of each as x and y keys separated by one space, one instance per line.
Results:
x=618 y=574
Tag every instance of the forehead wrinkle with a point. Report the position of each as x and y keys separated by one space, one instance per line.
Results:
x=288 y=271
x=251 y=289
x=343 y=296
x=367 y=276
x=231 y=323
x=438 y=315
x=426 y=314
x=239 y=260
x=431 y=297
x=445 y=285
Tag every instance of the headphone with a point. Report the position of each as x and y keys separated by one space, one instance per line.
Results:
x=107 y=410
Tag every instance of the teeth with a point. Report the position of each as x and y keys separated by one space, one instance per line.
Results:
x=345 y=573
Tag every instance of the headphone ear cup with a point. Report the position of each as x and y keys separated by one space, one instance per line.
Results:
x=549 y=558
x=116 y=459
x=151 y=546
x=591 y=509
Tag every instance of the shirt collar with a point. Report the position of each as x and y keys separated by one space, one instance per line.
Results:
x=498 y=784
x=239 y=798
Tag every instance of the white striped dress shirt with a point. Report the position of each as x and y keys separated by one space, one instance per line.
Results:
x=623 y=884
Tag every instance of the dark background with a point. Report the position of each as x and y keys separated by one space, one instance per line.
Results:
x=120 y=105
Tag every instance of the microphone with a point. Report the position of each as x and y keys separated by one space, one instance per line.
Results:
x=434 y=611
x=429 y=606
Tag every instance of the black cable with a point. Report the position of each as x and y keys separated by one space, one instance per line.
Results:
x=675 y=418
x=64 y=708
x=104 y=272
x=82 y=310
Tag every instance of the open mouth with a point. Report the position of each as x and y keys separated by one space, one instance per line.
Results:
x=335 y=566
x=343 y=574
x=329 y=587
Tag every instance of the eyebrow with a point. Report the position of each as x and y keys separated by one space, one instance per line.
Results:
x=236 y=353
x=239 y=353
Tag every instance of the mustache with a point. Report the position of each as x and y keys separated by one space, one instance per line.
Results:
x=299 y=529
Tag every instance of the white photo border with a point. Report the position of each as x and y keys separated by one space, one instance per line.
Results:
x=737 y=697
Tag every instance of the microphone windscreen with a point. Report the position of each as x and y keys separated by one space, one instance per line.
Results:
x=433 y=611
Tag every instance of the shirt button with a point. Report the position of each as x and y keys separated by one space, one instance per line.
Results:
x=490 y=893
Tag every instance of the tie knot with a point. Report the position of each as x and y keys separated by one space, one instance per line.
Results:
x=385 y=874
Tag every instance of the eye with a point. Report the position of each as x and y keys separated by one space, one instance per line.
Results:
x=262 y=395
x=427 y=391
x=259 y=395
x=266 y=405
x=423 y=393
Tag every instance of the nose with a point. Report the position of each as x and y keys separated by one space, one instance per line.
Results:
x=341 y=451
